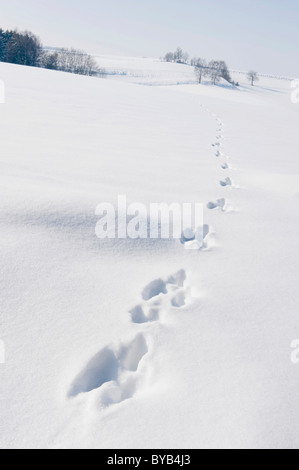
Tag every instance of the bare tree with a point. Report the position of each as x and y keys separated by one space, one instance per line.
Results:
x=214 y=71
x=201 y=69
x=252 y=77
x=169 y=57
x=49 y=60
x=178 y=55
x=224 y=71
x=217 y=70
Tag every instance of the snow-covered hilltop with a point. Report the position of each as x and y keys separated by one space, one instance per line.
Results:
x=144 y=343
x=146 y=71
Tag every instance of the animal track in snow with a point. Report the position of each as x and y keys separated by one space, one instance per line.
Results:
x=219 y=204
x=115 y=372
x=179 y=300
x=102 y=368
x=226 y=182
x=178 y=279
x=140 y=314
x=153 y=289
x=225 y=166
x=196 y=239
x=174 y=294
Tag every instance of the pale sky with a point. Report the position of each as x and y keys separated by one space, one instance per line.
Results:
x=248 y=34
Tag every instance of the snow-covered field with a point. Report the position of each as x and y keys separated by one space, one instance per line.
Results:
x=145 y=71
x=145 y=344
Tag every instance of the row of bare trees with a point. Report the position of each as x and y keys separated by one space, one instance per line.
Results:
x=70 y=60
x=214 y=70
x=178 y=56
x=26 y=49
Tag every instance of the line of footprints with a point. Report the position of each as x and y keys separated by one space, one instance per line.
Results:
x=226 y=182
x=201 y=238
x=117 y=372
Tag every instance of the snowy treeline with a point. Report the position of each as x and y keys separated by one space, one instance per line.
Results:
x=178 y=56
x=20 y=48
x=214 y=69
x=70 y=60
x=26 y=49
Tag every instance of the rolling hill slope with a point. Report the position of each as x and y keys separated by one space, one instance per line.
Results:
x=143 y=343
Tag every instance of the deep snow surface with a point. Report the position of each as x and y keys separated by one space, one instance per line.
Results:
x=125 y=344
